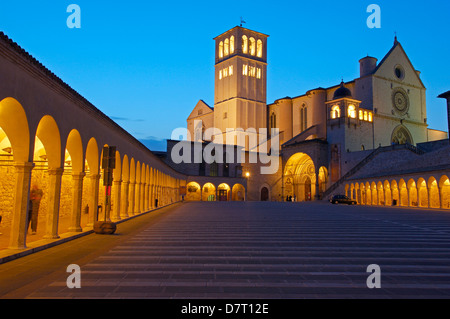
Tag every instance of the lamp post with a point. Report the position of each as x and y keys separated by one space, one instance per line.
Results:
x=107 y=227
x=446 y=96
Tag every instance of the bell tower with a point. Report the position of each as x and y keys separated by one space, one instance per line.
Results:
x=240 y=84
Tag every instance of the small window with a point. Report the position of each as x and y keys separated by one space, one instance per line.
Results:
x=245 y=69
x=230 y=70
x=370 y=117
x=220 y=75
x=221 y=50
x=361 y=115
x=351 y=111
x=252 y=46
x=335 y=112
x=232 y=45
x=365 y=115
x=399 y=72
x=225 y=115
x=226 y=50
x=244 y=44
x=259 y=49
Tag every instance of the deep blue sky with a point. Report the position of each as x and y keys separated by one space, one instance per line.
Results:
x=146 y=64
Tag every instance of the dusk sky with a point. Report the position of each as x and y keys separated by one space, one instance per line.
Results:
x=145 y=64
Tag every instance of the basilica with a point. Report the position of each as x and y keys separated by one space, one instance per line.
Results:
x=333 y=140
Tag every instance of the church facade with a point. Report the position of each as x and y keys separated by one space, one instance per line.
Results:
x=326 y=134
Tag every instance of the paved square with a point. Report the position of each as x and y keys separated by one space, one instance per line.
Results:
x=273 y=250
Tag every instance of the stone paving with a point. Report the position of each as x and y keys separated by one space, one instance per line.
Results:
x=273 y=250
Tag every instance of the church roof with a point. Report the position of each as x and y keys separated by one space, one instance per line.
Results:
x=342 y=92
x=396 y=44
x=445 y=95
x=239 y=27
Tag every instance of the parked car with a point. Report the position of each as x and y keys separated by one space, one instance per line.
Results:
x=342 y=199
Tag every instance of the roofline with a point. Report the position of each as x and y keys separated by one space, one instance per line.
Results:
x=239 y=27
x=444 y=95
x=53 y=77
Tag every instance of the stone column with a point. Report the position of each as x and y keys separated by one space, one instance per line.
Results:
x=20 y=209
x=132 y=187
x=137 y=207
x=117 y=185
x=144 y=198
x=54 y=195
x=152 y=197
x=124 y=201
x=93 y=199
x=428 y=196
x=77 y=193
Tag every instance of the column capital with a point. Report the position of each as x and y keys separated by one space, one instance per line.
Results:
x=56 y=171
x=24 y=166
x=93 y=176
x=79 y=175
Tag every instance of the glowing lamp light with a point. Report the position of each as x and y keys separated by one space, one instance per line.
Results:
x=247 y=174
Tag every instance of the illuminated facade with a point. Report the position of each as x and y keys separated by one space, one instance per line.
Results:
x=51 y=140
x=327 y=134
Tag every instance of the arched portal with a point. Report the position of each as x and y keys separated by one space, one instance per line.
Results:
x=422 y=193
x=323 y=180
x=434 y=193
x=209 y=192
x=238 y=192
x=264 y=194
x=444 y=185
x=91 y=187
x=15 y=172
x=223 y=192
x=412 y=193
x=193 y=192
x=70 y=209
x=300 y=178
x=46 y=181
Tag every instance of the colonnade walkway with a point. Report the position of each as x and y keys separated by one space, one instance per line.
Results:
x=230 y=250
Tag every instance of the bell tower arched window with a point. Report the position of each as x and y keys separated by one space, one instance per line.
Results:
x=335 y=112
x=220 y=50
x=351 y=112
x=303 y=118
x=226 y=50
x=273 y=121
x=232 y=45
x=252 y=46
x=259 y=49
x=244 y=44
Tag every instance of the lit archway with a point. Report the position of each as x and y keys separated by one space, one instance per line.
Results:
x=223 y=192
x=14 y=152
x=395 y=193
x=238 y=192
x=91 y=188
x=403 y=193
x=434 y=195
x=422 y=193
x=300 y=178
x=209 y=192
x=193 y=192
x=72 y=185
x=444 y=185
x=46 y=181
x=412 y=192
